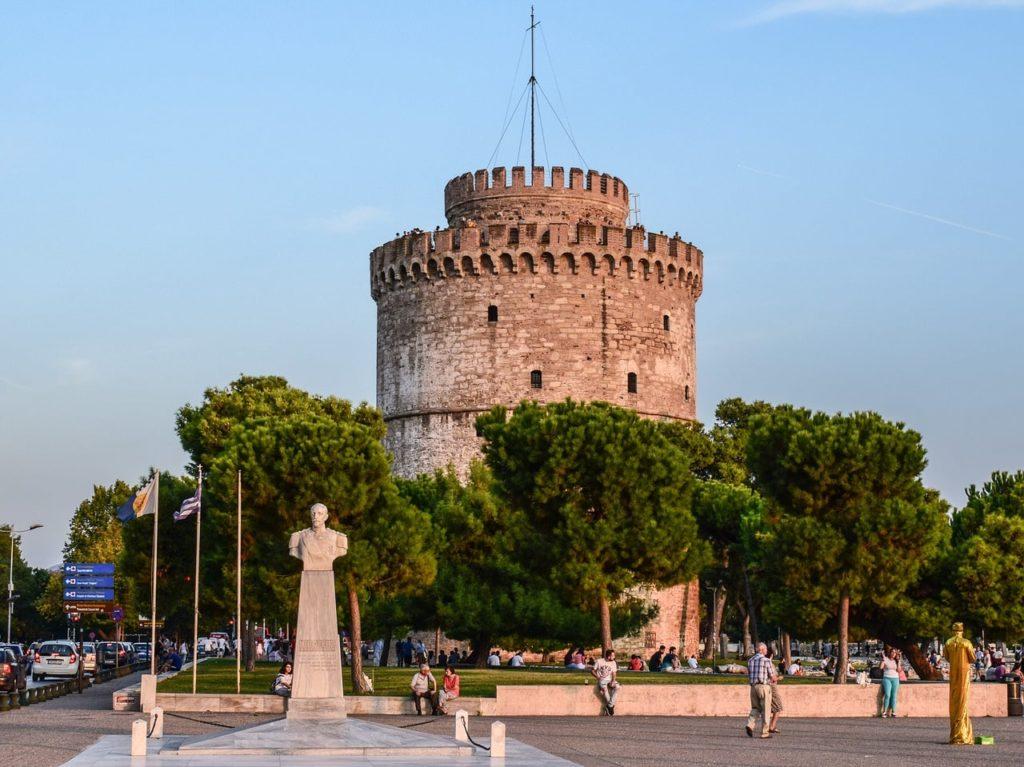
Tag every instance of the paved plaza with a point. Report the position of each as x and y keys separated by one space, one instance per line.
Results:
x=55 y=732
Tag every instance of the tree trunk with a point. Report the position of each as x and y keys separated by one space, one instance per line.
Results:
x=355 y=636
x=481 y=648
x=715 y=622
x=606 y=624
x=385 y=653
x=787 y=652
x=844 y=639
x=437 y=643
x=748 y=644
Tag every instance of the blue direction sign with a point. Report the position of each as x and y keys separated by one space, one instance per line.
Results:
x=88 y=568
x=89 y=595
x=88 y=581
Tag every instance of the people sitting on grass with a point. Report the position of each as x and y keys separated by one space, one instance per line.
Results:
x=692 y=662
x=796 y=668
x=606 y=671
x=655 y=662
x=516 y=661
x=449 y=689
x=671 y=661
x=579 y=660
x=636 y=663
x=424 y=686
x=283 y=681
x=494 y=659
x=442 y=659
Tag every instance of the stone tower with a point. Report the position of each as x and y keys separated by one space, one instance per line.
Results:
x=538 y=289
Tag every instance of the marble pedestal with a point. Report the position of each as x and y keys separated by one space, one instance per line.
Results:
x=316 y=679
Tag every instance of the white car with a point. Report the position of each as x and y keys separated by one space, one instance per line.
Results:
x=58 y=657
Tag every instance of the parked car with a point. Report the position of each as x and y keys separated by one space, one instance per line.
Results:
x=24 y=659
x=141 y=650
x=12 y=673
x=58 y=657
x=88 y=657
x=111 y=654
x=130 y=652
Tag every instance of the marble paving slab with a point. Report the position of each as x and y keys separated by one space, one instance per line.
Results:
x=115 y=750
x=340 y=737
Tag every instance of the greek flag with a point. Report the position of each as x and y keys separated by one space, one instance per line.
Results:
x=190 y=505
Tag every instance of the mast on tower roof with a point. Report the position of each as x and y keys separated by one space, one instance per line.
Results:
x=533 y=94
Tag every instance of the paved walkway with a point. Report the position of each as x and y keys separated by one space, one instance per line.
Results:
x=50 y=734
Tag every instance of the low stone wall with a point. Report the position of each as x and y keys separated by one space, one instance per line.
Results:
x=800 y=700
x=275 y=704
x=921 y=699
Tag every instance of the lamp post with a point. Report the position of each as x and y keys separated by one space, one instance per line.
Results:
x=10 y=576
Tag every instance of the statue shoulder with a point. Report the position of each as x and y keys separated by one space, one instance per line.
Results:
x=294 y=540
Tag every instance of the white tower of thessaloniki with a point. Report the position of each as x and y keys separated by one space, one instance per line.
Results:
x=538 y=289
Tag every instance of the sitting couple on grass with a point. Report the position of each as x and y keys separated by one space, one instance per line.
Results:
x=424 y=687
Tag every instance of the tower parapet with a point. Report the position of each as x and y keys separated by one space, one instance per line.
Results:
x=486 y=197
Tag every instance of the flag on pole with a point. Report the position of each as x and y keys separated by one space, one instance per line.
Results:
x=190 y=505
x=141 y=503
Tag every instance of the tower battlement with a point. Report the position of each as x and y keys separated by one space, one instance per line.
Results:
x=496 y=195
x=583 y=248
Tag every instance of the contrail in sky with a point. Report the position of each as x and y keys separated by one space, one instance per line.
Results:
x=890 y=206
x=945 y=221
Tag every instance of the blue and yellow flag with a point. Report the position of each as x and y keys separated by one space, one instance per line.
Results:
x=142 y=503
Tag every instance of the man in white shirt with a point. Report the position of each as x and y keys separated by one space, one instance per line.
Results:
x=517 y=660
x=494 y=660
x=423 y=685
x=692 y=661
x=606 y=671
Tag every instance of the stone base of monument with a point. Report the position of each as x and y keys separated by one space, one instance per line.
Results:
x=315 y=709
x=333 y=737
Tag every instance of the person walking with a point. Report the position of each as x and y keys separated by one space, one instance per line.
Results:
x=759 y=674
x=776 y=706
x=890 y=682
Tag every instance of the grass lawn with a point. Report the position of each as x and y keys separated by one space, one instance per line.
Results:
x=218 y=676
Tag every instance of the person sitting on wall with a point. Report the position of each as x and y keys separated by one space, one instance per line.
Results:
x=283 y=681
x=449 y=689
x=423 y=685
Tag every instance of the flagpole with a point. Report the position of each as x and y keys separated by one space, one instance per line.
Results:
x=238 y=595
x=195 y=616
x=152 y=588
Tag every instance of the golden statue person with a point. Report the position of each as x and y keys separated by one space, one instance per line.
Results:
x=960 y=655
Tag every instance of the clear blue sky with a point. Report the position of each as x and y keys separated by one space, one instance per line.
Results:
x=189 y=191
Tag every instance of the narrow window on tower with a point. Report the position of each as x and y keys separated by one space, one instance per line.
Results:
x=513 y=235
x=664 y=321
x=631 y=383
x=535 y=379
x=686 y=392
x=492 y=313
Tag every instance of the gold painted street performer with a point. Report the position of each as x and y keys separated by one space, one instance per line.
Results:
x=316 y=681
x=960 y=655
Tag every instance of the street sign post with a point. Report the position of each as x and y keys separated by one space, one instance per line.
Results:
x=117 y=613
x=88 y=581
x=88 y=568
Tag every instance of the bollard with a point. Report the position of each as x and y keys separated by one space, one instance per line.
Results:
x=497 y=740
x=5 y=702
x=1014 y=707
x=139 y=737
x=462 y=726
x=156 y=723
x=26 y=697
x=15 y=700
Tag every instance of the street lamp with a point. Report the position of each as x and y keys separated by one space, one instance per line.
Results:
x=10 y=576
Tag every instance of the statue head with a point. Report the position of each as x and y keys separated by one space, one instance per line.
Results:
x=958 y=628
x=318 y=513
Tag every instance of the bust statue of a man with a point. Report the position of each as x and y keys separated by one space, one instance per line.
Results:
x=318 y=546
